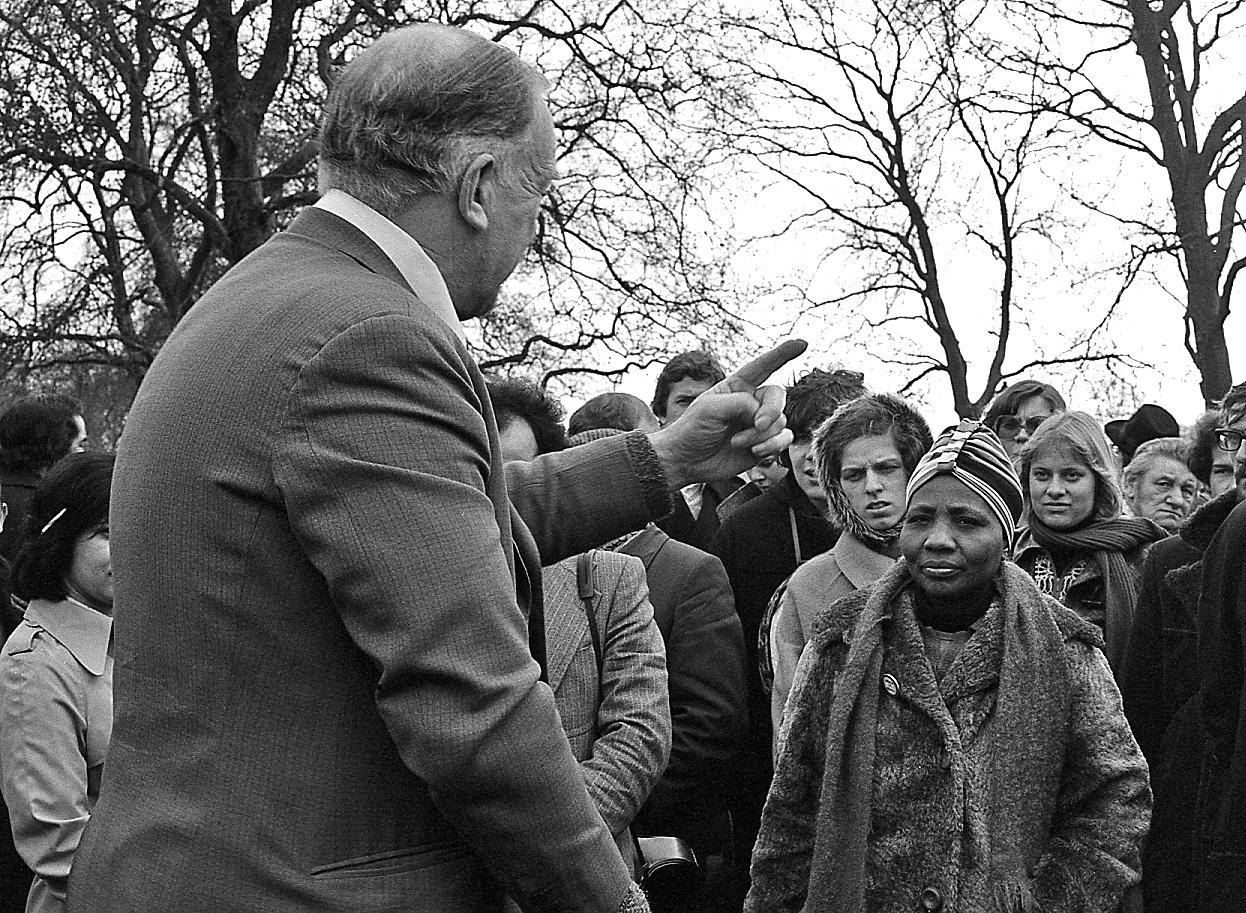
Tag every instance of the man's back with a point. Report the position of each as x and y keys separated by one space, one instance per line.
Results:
x=306 y=515
x=705 y=662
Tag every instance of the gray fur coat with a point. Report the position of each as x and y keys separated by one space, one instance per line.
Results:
x=960 y=811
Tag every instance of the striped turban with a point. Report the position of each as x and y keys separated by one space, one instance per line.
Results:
x=972 y=454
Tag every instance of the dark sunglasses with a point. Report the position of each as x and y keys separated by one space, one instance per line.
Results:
x=1228 y=439
x=1009 y=425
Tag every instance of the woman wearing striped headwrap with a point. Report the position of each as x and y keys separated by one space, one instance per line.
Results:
x=1076 y=545
x=954 y=740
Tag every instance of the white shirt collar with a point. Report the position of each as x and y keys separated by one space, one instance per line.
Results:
x=419 y=272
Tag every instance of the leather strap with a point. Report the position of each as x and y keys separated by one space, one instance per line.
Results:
x=584 y=581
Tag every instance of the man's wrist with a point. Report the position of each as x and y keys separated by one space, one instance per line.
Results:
x=672 y=468
x=655 y=487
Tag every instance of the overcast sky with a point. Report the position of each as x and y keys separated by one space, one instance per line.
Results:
x=1064 y=290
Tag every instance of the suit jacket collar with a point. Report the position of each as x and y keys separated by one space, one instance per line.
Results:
x=333 y=231
x=566 y=624
x=645 y=545
x=403 y=251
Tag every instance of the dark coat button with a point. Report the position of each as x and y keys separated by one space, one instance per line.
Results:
x=932 y=899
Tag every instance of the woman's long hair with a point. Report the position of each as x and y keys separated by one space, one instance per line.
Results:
x=1083 y=436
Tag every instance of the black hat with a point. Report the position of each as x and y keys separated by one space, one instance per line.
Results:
x=1148 y=423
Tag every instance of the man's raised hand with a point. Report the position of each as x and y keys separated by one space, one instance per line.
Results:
x=730 y=426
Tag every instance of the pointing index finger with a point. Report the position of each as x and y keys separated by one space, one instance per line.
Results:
x=755 y=373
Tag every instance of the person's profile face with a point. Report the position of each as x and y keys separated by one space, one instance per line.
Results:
x=805 y=472
x=1238 y=423
x=768 y=473
x=89 y=577
x=1061 y=486
x=951 y=542
x=519 y=187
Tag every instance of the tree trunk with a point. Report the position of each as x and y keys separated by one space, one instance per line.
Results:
x=1209 y=350
x=1188 y=171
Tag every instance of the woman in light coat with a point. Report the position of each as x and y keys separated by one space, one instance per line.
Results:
x=56 y=674
x=864 y=455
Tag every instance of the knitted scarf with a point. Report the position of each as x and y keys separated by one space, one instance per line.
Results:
x=1031 y=716
x=1107 y=541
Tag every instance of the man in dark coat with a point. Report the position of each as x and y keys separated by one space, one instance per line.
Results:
x=1222 y=702
x=328 y=696
x=1159 y=684
x=705 y=662
x=695 y=611
x=760 y=545
x=1161 y=666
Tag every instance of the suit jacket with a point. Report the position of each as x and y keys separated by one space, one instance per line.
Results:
x=699 y=531
x=325 y=698
x=620 y=732
x=705 y=664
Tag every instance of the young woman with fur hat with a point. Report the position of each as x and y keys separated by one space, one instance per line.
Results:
x=954 y=739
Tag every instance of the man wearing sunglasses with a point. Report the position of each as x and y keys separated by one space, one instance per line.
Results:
x=1232 y=431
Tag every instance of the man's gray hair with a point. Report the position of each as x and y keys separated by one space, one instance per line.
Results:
x=1174 y=448
x=406 y=116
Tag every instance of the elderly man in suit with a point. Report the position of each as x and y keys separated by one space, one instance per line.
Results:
x=327 y=695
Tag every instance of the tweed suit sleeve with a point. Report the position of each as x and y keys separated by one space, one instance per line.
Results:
x=784 y=848
x=1103 y=808
x=705 y=666
x=383 y=465
x=633 y=719
x=576 y=499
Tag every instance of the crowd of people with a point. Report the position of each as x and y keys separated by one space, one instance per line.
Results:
x=390 y=634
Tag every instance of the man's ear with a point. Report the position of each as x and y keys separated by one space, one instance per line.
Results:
x=476 y=191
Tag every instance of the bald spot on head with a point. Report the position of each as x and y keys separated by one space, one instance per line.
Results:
x=408 y=113
x=422 y=48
